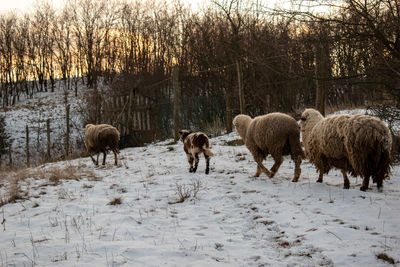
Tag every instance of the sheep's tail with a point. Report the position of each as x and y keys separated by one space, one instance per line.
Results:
x=208 y=152
x=371 y=152
x=295 y=147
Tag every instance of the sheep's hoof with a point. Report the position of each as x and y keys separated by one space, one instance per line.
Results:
x=346 y=186
x=319 y=181
x=207 y=172
x=271 y=174
x=190 y=170
x=295 y=180
x=256 y=175
x=363 y=188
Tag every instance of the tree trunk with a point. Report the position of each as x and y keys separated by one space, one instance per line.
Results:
x=175 y=82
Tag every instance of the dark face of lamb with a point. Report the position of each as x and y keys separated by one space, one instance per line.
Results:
x=184 y=134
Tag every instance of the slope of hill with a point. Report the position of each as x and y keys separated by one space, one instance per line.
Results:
x=34 y=113
x=131 y=215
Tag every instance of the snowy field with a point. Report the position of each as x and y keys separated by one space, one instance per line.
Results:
x=128 y=215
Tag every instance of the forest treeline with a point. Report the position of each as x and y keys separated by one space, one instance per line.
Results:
x=240 y=54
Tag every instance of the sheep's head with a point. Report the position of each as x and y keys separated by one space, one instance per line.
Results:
x=183 y=134
x=309 y=118
x=241 y=122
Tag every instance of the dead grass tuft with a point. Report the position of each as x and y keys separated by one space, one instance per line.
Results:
x=385 y=257
x=10 y=180
x=115 y=201
x=12 y=192
x=184 y=192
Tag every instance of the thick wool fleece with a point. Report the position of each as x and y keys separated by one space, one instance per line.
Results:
x=277 y=134
x=101 y=138
x=358 y=144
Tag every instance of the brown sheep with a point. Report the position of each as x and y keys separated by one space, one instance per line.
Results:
x=277 y=134
x=101 y=138
x=193 y=145
x=358 y=144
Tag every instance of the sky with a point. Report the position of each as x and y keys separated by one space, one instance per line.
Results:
x=26 y=5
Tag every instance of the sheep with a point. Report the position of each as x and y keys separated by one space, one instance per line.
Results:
x=195 y=143
x=277 y=134
x=355 y=144
x=101 y=138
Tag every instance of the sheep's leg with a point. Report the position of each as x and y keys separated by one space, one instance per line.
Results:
x=207 y=163
x=258 y=172
x=95 y=163
x=379 y=182
x=345 y=180
x=320 y=177
x=97 y=159
x=190 y=160
x=196 y=161
x=278 y=161
x=115 y=157
x=104 y=157
x=260 y=167
x=297 y=169
x=365 y=184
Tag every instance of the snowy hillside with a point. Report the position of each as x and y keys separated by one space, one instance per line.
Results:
x=130 y=216
x=34 y=113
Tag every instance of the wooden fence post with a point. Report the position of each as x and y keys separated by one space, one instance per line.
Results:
x=68 y=130
x=48 y=139
x=27 y=146
x=175 y=83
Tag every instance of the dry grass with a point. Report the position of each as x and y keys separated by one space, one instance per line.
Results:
x=215 y=128
x=11 y=191
x=10 y=181
x=184 y=192
x=385 y=257
x=115 y=201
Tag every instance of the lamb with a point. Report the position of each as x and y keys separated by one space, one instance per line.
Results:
x=193 y=145
x=355 y=144
x=277 y=134
x=101 y=138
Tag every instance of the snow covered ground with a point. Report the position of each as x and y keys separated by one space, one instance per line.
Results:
x=34 y=113
x=230 y=219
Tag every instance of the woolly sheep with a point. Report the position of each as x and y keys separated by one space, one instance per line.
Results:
x=277 y=134
x=101 y=138
x=193 y=145
x=358 y=144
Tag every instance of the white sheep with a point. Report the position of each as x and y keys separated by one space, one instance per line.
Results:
x=277 y=134
x=355 y=144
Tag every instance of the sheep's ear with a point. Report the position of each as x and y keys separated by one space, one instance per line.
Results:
x=303 y=119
